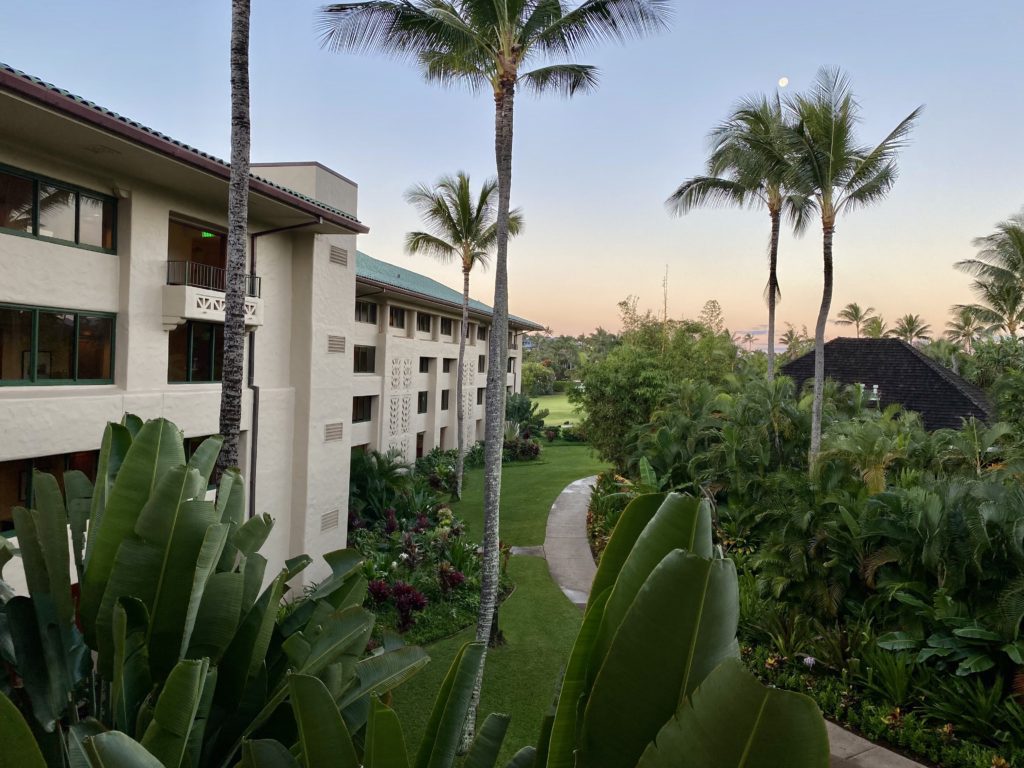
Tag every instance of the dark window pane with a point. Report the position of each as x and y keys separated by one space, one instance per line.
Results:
x=421 y=402
x=15 y=344
x=95 y=345
x=424 y=365
x=96 y=222
x=218 y=352
x=55 y=356
x=56 y=212
x=14 y=484
x=446 y=326
x=202 y=349
x=396 y=317
x=362 y=408
x=365 y=358
x=423 y=322
x=15 y=202
x=85 y=462
x=177 y=354
x=445 y=394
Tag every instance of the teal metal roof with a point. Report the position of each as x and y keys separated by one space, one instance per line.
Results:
x=156 y=134
x=369 y=268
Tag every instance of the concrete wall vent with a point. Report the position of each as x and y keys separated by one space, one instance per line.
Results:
x=333 y=431
x=339 y=255
x=335 y=343
x=329 y=520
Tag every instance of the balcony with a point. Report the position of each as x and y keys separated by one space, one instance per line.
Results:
x=195 y=291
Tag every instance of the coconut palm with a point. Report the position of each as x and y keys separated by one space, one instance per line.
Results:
x=238 y=219
x=464 y=229
x=495 y=46
x=748 y=167
x=852 y=314
x=837 y=175
x=999 y=272
x=875 y=327
x=911 y=328
x=965 y=328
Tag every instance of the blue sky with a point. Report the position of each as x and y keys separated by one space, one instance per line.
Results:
x=592 y=173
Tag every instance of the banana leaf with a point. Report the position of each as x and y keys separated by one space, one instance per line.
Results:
x=19 y=748
x=323 y=737
x=267 y=753
x=444 y=726
x=483 y=753
x=631 y=523
x=117 y=439
x=385 y=742
x=132 y=680
x=76 y=734
x=78 y=491
x=167 y=735
x=114 y=749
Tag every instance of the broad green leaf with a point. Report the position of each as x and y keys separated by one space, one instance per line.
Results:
x=562 y=744
x=231 y=498
x=43 y=539
x=898 y=641
x=113 y=448
x=735 y=722
x=205 y=457
x=19 y=748
x=78 y=491
x=75 y=736
x=524 y=758
x=267 y=753
x=444 y=726
x=41 y=661
x=382 y=673
x=220 y=612
x=199 y=723
x=976 y=662
x=680 y=626
x=977 y=633
x=681 y=522
x=487 y=743
x=344 y=565
x=323 y=737
x=167 y=735
x=133 y=424
x=132 y=680
x=114 y=749
x=385 y=742
x=631 y=523
x=209 y=553
x=154 y=451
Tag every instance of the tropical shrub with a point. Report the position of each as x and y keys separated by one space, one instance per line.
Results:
x=538 y=379
x=521 y=410
x=520 y=449
x=573 y=433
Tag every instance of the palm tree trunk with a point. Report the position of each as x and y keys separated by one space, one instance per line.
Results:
x=773 y=289
x=238 y=217
x=460 y=461
x=819 y=345
x=494 y=404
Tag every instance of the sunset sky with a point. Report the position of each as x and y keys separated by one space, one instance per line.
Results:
x=591 y=174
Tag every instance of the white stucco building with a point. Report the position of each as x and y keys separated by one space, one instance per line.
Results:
x=112 y=249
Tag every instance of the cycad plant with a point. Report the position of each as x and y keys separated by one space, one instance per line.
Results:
x=496 y=47
x=837 y=175
x=749 y=166
x=461 y=227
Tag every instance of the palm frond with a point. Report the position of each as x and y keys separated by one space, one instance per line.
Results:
x=429 y=245
x=706 y=190
x=567 y=79
x=596 y=21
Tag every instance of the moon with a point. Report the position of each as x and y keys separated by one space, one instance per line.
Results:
x=783 y=82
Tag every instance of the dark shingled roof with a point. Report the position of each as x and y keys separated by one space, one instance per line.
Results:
x=903 y=375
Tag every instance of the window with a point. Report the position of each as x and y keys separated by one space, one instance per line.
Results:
x=365 y=359
x=424 y=322
x=366 y=312
x=420 y=439
x=196 y=256
x=480 y=396
x=424 y=365
x=481 y=363
x=446 y=326
x=362 y=408
x=396 y=317
x=40 y=207
x=446 y=365
x=511 y=365
x=481 y=333
x=422 y=402
x=55 y=346
x=195 y=353
x=16 y=478
x=445 y=396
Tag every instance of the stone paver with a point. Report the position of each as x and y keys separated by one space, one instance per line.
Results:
x=572 y=568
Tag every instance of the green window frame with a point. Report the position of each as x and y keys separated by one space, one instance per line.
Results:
x=40 y=180
x=190 y=377
x=33 y=360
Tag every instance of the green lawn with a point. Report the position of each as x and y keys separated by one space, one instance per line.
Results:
x=561 y=409
x=528 y=489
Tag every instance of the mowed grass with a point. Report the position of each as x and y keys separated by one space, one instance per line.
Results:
x=540 y=625
x=561 y=409
x=528 y=489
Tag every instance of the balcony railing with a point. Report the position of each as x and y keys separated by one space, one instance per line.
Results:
x=204 y=276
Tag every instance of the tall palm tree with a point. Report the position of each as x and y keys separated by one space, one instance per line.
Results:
x=463 y=229
x=852 y=314
x=999 y=272
x=748 y=166
x=965 y=328
x=911 y=328
x=875 y=327
x=238 y=219
x=484 y=45
x=837 y=175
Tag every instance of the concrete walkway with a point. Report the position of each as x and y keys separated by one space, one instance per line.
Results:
x=572 y=569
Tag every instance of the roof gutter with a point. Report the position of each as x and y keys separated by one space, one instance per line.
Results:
x=104 y=120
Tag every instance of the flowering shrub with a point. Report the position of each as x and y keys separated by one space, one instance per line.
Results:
x=520 y=449
x=407 y=599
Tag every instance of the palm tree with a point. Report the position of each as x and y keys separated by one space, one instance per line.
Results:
x=965 y=328
x=853 y=315
x=484 y=44
x=875 y=327
x=238 y=218
x=911 y=328
x=999 y=272
x=462 y=229
x=836 y=175
x=748 y=166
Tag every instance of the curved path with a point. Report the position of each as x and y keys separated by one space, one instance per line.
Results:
x=572 y=568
